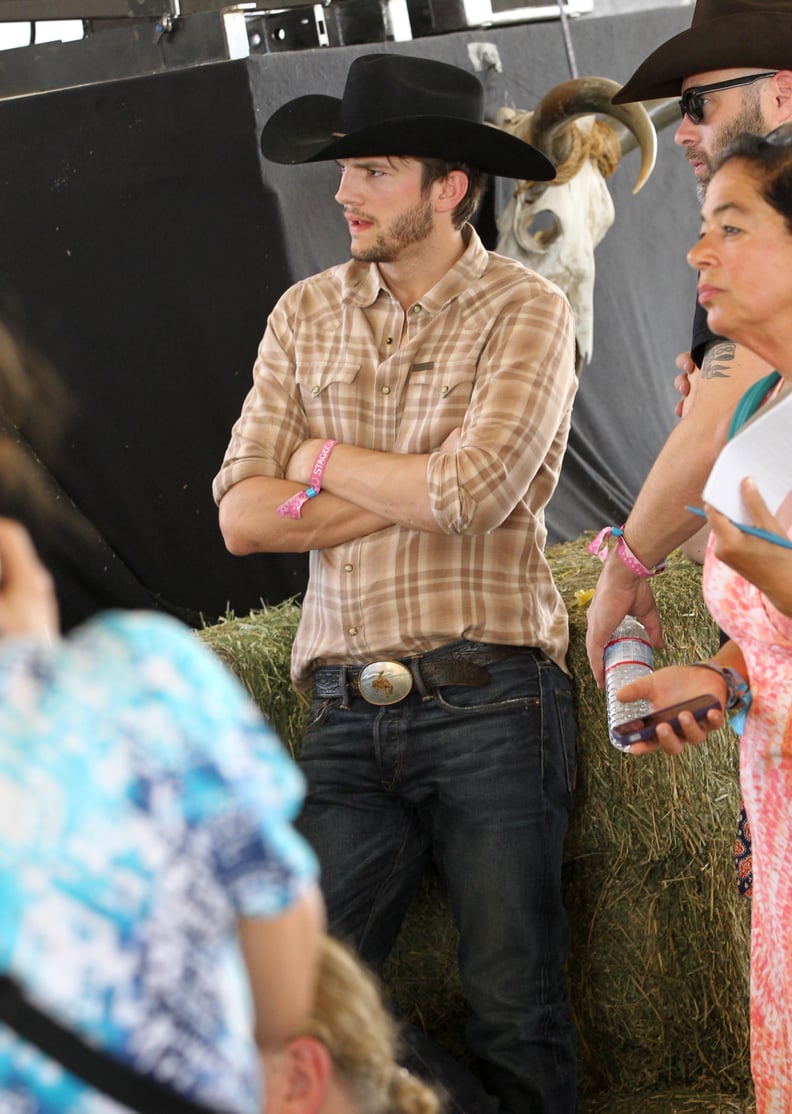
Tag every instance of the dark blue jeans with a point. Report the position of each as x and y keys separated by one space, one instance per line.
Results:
x=478 y=780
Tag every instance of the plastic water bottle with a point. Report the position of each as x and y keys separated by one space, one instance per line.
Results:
x=628 y=656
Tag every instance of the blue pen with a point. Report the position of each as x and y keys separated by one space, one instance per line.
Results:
x=776 y=539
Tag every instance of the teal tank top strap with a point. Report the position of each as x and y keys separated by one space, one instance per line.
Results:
x=751 y=401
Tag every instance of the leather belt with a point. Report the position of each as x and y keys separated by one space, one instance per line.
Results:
x=389 y=681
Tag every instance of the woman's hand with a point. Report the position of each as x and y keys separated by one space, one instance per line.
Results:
x=763 y=563
x=28 y=605
x=673 y=685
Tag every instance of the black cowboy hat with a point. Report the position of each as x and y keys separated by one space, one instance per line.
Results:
x=723 y=35
x=397 y=105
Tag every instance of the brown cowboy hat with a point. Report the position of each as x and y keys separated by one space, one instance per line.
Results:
x=398 y=105
x=723 y=35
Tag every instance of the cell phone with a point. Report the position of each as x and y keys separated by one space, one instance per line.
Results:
x=644 y=728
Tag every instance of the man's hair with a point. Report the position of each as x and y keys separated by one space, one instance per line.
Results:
x=769 y=159
x=435 y=169
x=349 y=1019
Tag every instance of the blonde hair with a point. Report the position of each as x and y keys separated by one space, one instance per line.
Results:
x=352 y=1023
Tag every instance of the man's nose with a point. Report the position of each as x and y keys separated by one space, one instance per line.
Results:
x=687 y=133
x=345 y=191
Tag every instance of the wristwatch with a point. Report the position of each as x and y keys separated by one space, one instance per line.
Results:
x=738 y=695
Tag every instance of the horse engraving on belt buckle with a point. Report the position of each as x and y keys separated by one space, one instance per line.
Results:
x=384 y=682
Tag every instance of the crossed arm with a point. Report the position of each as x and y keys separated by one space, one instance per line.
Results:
x=470 y=481
x=384 y=489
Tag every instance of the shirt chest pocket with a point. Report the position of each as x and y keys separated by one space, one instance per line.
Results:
x=329 y=395
x=435 y=402
x=433 y=384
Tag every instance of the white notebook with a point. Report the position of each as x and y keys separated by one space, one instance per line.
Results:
x=763 y=450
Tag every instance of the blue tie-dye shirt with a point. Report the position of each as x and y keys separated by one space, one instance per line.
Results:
x=144 y=807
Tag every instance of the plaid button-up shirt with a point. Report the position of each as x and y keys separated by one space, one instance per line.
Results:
x=489 y=348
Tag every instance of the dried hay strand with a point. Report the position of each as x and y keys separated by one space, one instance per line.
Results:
x=673 y=1101
x=658 y=967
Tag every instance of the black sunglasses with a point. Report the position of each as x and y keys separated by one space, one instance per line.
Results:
x=691 y=103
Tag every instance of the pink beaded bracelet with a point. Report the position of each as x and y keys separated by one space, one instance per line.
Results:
x=599 y=548
x=293 y=506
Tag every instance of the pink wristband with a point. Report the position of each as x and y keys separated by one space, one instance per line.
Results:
x=293 y=506
x=599 y=548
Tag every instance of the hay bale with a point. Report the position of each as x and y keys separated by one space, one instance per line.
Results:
x=659 y=962
x=257 y=648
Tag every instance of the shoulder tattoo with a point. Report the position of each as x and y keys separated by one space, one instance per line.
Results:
x=715 y=364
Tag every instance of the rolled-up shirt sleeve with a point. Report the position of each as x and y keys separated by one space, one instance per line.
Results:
x=519 y=409
x=272 y=422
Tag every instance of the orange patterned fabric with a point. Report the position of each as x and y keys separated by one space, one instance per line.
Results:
x=764 y=636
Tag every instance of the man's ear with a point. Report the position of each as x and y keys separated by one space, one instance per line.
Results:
x=297 y=1080
x=452 y=189
x=782 y=84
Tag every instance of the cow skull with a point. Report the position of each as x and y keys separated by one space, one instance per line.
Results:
x=554 y=227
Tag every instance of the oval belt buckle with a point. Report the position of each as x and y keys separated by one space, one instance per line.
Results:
x=384 y=682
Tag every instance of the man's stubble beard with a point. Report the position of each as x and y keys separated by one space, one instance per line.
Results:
x=411 y=227
x=750 y=119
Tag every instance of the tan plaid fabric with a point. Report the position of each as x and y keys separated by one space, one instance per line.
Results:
x=490 y=348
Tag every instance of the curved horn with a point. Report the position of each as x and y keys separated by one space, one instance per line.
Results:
x=585 y=96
